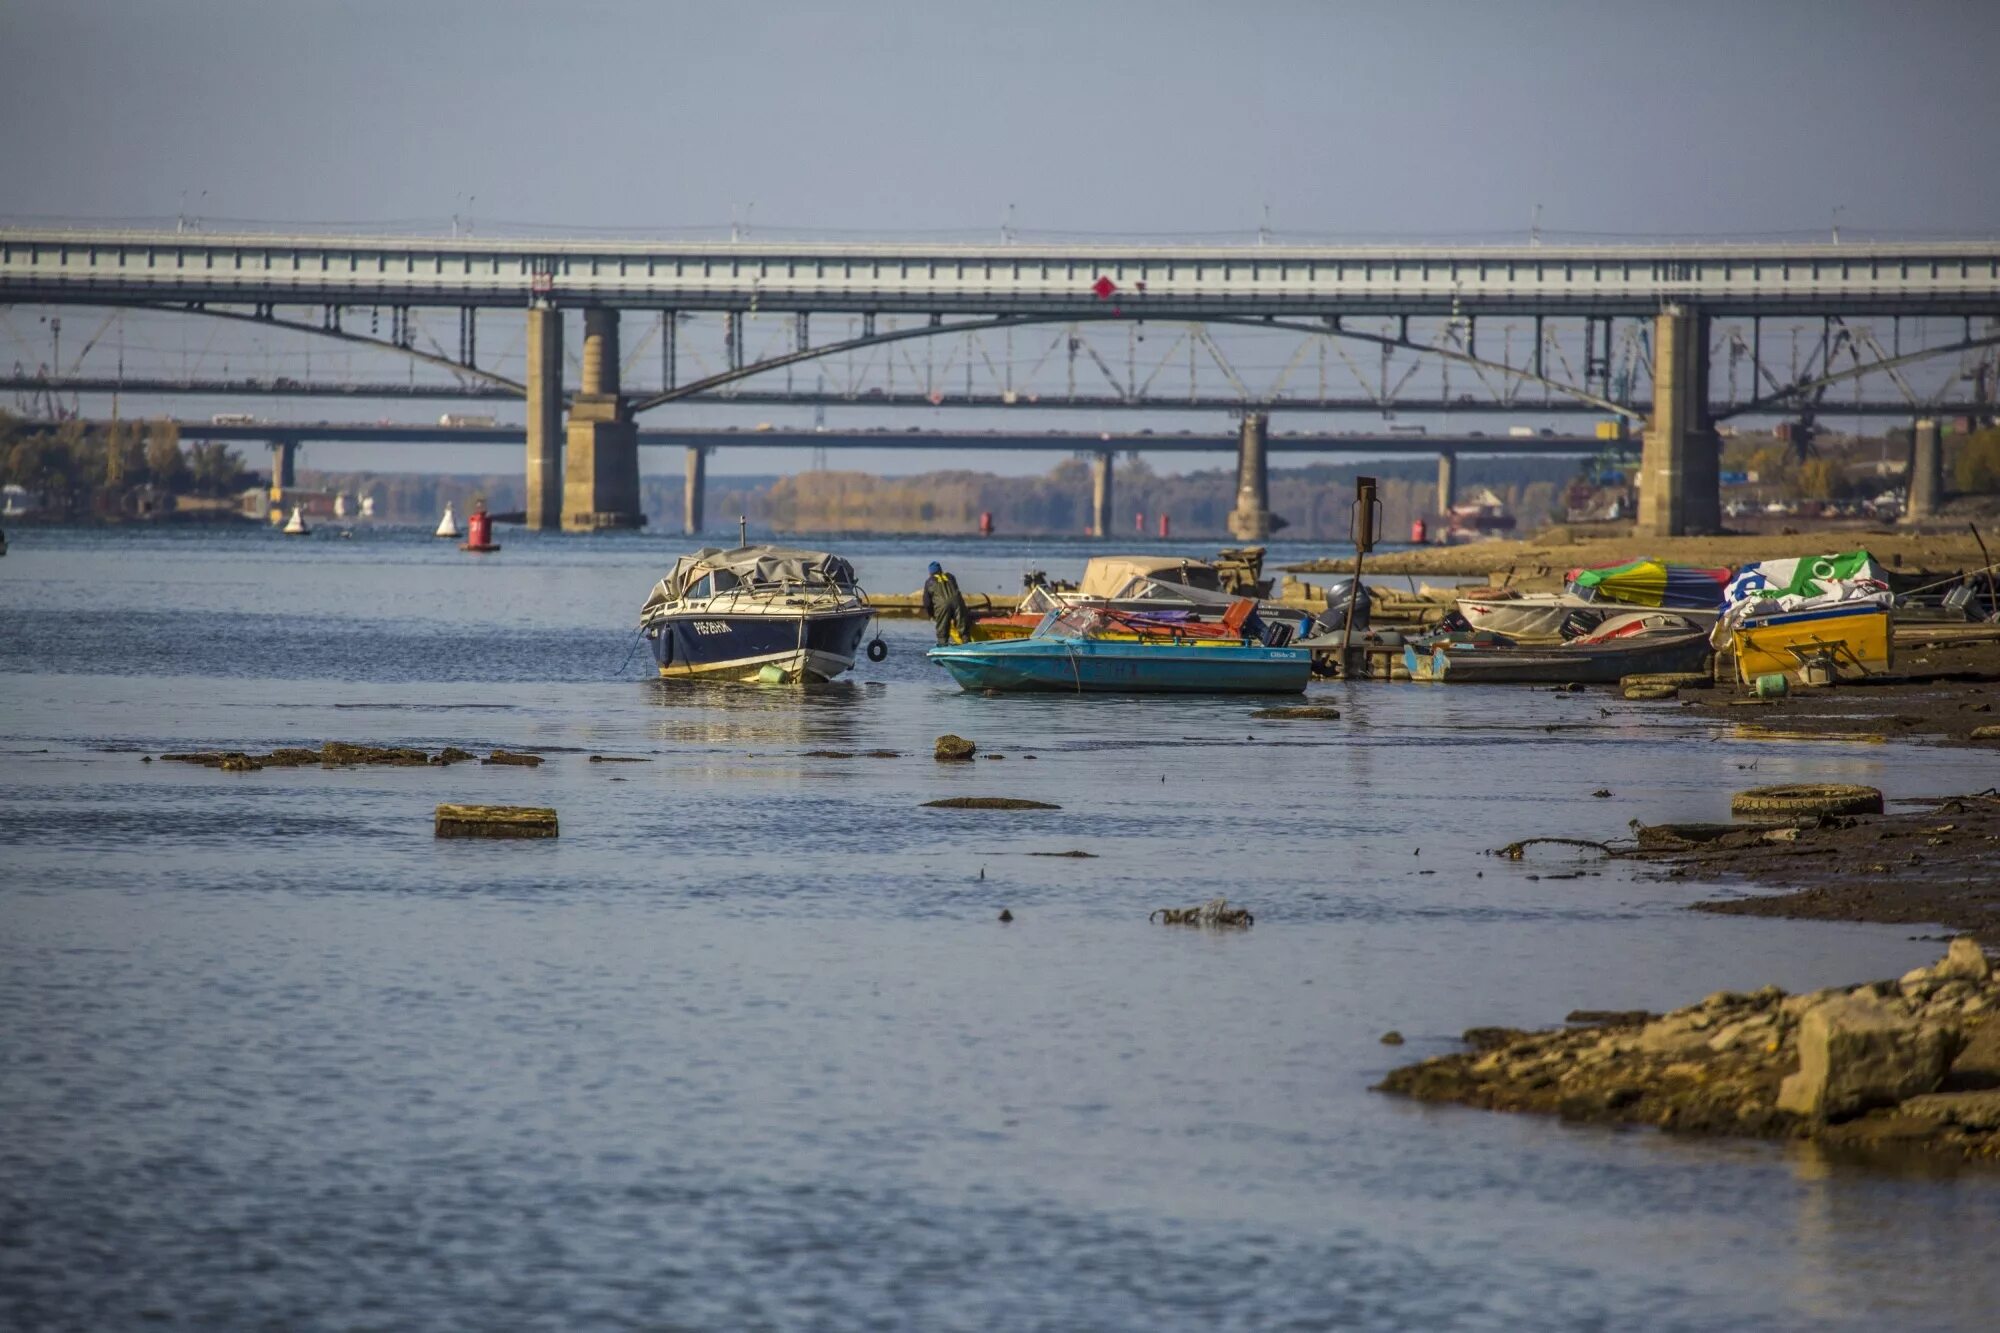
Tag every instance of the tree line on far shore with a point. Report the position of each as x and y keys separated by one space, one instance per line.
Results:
x=75 y=469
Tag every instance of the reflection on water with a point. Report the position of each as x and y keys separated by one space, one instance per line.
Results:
x=746 y=1046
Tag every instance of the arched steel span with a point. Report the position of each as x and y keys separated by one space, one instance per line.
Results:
x=1789 y=396
x=1792 y=394
x=717 y=381
x=297 y=326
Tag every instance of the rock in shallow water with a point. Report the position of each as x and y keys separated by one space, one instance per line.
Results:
x=1857 y=1051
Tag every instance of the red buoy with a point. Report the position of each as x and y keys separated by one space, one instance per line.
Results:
x=986 y=523
x=1419 y=532
x=479 y=532
x=1139 y=522
x=1163 y=525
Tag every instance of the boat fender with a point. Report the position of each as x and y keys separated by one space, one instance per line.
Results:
x=878 y=649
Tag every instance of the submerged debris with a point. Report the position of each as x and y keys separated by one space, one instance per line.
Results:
x=618 y=759
x=1214 y=912
x=333 y=754
x=510 y=757
x=954 y=749
x=1081 y=856
x=1911 y=1063
x=853 y=754
x=988 y=803
x=495 y=821
x=1299 y=712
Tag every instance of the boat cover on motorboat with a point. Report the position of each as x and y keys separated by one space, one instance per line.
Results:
x=1163 y=600
x=1462 y=662
x=1649 y=582
x=1595 y=595
x=1070 y=652
x=756 y=613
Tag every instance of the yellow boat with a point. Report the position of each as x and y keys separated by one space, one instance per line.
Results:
x=1857 y=639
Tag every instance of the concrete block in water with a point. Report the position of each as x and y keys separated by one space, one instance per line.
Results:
x=495 y=821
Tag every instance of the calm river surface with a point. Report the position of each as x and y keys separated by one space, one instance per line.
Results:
x=746 y=1047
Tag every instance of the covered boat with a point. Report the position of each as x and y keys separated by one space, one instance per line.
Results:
x=1162 y=589
x=1649 y=582
x=765 y=613
x=1618 y=650
x=1833 y=613
x=1074 y=652
x=1593 y=596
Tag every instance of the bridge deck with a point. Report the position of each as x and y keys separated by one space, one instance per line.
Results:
x=1039 y=281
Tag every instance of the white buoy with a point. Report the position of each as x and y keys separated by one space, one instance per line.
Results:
x=448 y=525
x=295 y=526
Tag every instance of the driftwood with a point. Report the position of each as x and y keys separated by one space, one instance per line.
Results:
x=1512 y=851
x=1214 y=912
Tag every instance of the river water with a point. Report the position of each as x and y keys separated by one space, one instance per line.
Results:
x=747 y=1048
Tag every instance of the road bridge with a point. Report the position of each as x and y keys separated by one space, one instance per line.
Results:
x=60 y=387
x=581 y=446
x=1252 y=512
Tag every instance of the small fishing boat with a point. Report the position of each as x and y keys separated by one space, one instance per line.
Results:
x=1594 y=596
x=1073 y=652
x=295 y=526
x=448 y=525
x=1846 y=641
x=763 y=613
x=1580 y=662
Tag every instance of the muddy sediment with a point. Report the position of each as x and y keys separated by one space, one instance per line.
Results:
x=1912 y=1063
x=332 y=754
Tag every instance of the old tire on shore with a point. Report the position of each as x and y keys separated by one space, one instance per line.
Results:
x=1807 y=800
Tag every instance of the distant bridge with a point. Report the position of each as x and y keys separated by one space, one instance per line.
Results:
x=1254 y=442
x=581 y=446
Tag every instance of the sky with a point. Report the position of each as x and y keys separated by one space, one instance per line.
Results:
x=1409 y=117
x=1417 y=118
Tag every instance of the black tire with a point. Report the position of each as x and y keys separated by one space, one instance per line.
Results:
x=877 y=649
x=1805 y=801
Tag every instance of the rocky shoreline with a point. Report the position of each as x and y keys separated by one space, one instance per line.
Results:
x=1908 y=1064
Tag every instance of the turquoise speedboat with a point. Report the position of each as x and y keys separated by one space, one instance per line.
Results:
x=1062 y=655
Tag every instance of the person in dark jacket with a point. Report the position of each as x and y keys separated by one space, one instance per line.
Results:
x=945 y=605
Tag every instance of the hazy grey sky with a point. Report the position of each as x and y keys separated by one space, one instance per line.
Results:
x=1126 y=117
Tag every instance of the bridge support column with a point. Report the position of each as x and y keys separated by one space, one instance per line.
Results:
x=697 y=482
x=1926 y=472
x=1100 y=495
x=1447 y=480
x=284 y=475
x=1680 y=481
x=545 y=419
x=1250 y=521
x=601 y=463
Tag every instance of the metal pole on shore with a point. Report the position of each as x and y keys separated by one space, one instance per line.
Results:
x=1362 y=527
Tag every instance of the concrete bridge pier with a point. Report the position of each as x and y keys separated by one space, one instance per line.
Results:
x=545 y=419
x=1926 y=472
x=697 y=483
x=284 y=475
x=1250 y=521
x=601 y=455
x=1100 y=495
x=1447 y=480
x=1680 y=488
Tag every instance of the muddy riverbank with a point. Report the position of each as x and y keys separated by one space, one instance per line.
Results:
x=1540 y=562
x=1911 y=1064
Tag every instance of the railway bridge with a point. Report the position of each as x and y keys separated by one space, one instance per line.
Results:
x=581 y=444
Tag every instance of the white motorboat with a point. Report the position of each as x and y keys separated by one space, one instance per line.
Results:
x=1540 y=617
x=763 y=613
